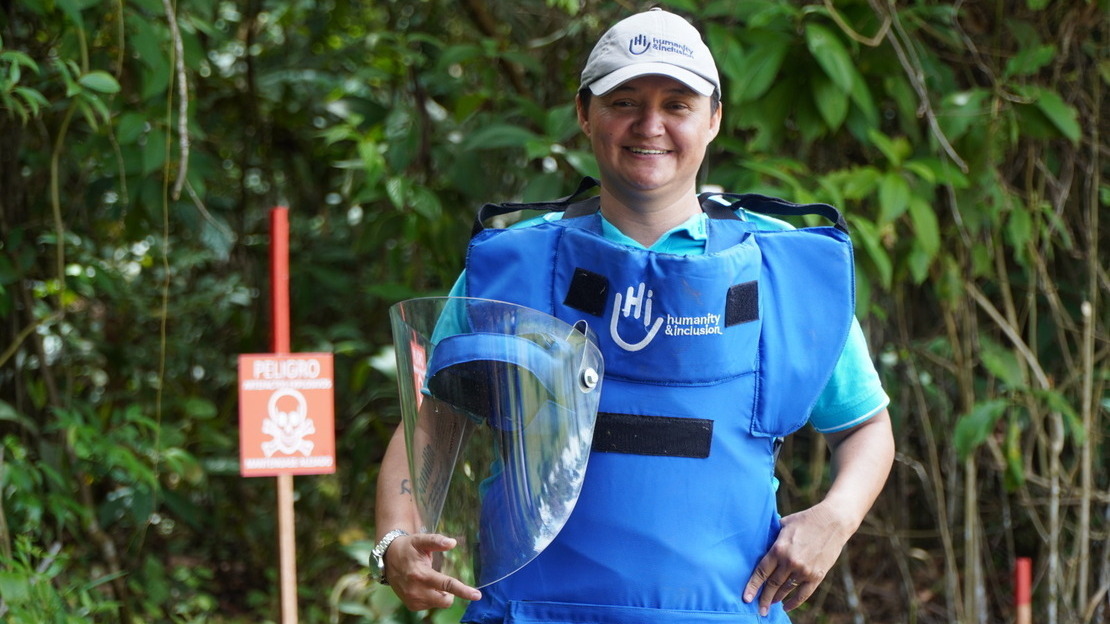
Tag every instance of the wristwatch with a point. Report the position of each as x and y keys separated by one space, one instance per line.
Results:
x=379 y=552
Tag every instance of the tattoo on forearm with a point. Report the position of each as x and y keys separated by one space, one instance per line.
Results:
x=405 y=488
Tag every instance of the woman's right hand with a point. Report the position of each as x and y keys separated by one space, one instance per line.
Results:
x=411 y=572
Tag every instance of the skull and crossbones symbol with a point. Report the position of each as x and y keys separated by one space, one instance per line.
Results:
x=288 y=428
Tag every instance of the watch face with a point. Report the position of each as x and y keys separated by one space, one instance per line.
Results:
x=379 y=568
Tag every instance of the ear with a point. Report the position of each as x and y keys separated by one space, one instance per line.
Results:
x=715 y=122
x=583 y=115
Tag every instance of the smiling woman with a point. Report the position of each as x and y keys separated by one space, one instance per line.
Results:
x=383 y=125
x=649 y=105
x=649 y=136
x=727 y=379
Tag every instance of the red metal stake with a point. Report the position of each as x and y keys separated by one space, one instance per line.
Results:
x=279 y=308
x=1023 y=590
x=279 y=280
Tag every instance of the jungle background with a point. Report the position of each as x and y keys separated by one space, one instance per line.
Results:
x=144 y=142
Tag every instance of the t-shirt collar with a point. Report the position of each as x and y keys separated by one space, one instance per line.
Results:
x=692 y=232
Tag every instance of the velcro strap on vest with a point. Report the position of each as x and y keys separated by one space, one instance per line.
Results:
x=588 y=292
x=634 y=434
x=742 y=304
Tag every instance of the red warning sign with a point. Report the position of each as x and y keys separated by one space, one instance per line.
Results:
x=286 y=414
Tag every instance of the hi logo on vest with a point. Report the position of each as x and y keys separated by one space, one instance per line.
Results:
x=636 y=304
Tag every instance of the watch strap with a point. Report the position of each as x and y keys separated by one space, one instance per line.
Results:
x=379 y=552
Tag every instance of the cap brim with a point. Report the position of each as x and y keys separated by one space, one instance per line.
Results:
x=614 y=79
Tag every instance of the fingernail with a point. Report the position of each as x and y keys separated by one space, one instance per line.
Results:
x=748 y=597
x=764 y=611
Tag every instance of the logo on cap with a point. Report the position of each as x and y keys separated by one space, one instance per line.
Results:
x=639 y=44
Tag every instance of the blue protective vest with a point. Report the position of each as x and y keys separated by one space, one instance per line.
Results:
x=709 y=361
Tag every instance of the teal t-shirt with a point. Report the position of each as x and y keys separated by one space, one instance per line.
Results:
x=853 y=394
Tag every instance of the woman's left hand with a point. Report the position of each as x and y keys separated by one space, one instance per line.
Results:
x=806 y=548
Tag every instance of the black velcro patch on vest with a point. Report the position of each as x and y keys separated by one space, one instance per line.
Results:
x=587 y=292
x=633 y=434
x=742 y=304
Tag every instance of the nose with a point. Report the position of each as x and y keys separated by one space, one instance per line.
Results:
x=650 y=122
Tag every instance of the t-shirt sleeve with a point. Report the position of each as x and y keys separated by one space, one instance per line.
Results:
x=854 y=393
x=453 y=320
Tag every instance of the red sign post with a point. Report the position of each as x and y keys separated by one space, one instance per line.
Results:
x=286 y=412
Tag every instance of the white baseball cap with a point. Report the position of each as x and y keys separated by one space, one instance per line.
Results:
x=654 y=42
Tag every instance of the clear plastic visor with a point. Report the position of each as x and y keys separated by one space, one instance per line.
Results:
x=498 y=403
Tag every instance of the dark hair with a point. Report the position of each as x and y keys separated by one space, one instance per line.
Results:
x=586 y=96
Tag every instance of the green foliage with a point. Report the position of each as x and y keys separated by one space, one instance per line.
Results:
x=23 y=101
x=959 y=138
x=972 y=430
x=29 y=585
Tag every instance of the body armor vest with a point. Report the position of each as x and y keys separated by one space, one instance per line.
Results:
x=709 y=361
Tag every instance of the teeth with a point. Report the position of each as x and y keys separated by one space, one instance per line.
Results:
x=653 y=152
